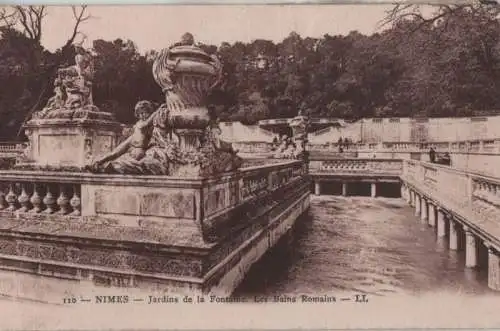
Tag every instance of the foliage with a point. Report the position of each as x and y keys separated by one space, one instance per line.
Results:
x=445 y=65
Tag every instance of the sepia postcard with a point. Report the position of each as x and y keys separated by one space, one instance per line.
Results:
x=250 y=166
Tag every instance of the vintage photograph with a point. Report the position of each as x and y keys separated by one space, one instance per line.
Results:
x=277 y=166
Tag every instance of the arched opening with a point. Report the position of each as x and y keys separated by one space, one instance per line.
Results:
x=359 y=189
x=331 y=188
x=389 y=190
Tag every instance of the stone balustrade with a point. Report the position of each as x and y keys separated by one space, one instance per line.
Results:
x=253 y=147
x=475 y=197
x=11 y=150
x=34 y=196
x=45 y=192
x=357 y=170
x=467 y=203
x=11 y=147
x=357 y=165
x=189 y=234
x=470 y=146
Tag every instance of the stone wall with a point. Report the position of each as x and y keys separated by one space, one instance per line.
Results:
x=373 y=130
x=182 y=235
x=238 y=132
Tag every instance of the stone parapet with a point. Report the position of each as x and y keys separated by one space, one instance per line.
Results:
x=473 y=198
x=150 y=232
x=357 y=165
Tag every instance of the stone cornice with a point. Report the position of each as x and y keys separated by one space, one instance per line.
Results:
x=63 y=177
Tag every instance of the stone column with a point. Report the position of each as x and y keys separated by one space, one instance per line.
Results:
x=317 y=188
x=417 y=205
x=493 y=268
x=412 y=198
x=441 y=223
x=423 y=209
x=470 y=249
x=344 y=189
x=432 y=215
x=453 y=235
x=374 y=190
x=403 y=191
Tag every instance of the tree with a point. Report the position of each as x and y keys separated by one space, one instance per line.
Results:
x=123 y=77
x=22 y=27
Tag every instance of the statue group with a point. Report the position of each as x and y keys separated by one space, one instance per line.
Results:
x=181 y=137
x=72 y=88
x=294 y=147
x=153 y=148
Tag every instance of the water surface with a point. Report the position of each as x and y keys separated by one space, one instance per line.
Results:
x=362 y=245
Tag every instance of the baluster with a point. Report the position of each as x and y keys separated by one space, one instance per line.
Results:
x=497 y=194
x=489 y=189
x=485 y=190
x=480 y=189
x=49 y=201
x=11 y=198
x=24 y=199
x=36 y=200
x=3 y=203
x=75 y=202
x=493 y=192
x=63 y=201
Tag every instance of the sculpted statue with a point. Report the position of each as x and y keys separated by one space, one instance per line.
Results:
x=153 y=148
x=299 y=126
x=72 y=86
x=58 y=100
x=145 y=151
x=295 y=148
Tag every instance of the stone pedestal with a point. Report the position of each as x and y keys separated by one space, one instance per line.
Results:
x=453 y=236
x=69 y=143
x=432 y=215
x=441 y=224
x=317 y=188
x=493 y=269
x=373 y=190
x=470 y=249
x=423 y=209
x=344 y=189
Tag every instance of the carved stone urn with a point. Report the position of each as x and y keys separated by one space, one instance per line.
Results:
x=187 y=74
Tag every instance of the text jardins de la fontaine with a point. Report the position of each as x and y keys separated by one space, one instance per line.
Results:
x=168 y=299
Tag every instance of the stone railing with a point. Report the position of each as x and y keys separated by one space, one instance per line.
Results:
x=125 y=200
x=187 y=234
x=11 y=148
x=334 y=147
x=474 y=197
x=36 y=192
x=357 y=165
x=253 y=147
x=469 y=146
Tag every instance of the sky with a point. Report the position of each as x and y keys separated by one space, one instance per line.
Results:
x=157 y=26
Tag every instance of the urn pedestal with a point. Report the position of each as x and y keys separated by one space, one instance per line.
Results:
x=68 y=143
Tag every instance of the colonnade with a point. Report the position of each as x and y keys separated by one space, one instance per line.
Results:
x=431 y=213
